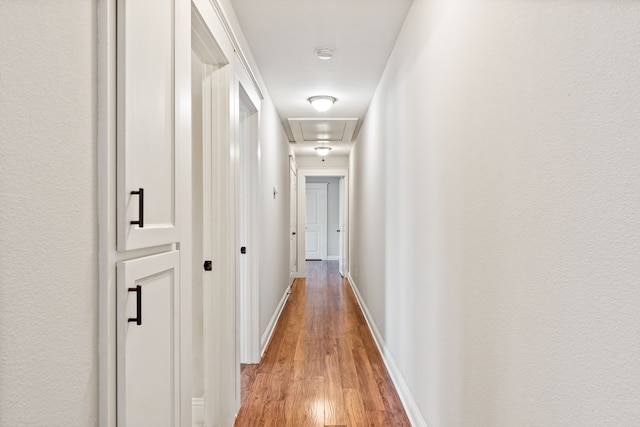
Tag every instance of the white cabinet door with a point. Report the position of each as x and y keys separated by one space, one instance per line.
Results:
x=148 y=341
x=146 y=124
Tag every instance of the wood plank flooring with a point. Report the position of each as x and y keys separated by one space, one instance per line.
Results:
x=322 y=367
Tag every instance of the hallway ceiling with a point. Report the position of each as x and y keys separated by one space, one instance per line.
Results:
x=283 y=36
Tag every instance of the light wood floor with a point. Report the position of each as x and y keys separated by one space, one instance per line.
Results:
x=322 y=367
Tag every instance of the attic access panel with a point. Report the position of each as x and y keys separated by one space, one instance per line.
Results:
x=330 y=130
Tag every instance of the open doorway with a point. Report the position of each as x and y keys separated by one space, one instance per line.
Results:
x=328 y=240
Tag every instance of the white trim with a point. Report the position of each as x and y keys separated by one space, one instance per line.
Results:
x=224 y=20
x=205 y=12
x=106 y=219
x=183 y=194
x=293 y=218
x=266 y=337
x=197 y=411
x=348 y=126
x=221 y=369
x=246 y=175
x=333 y=258
x=342 y=226
x=410 y=406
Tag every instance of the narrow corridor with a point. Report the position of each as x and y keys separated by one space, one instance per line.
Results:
x=322 y=367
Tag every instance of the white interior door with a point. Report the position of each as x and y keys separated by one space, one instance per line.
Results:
x=316 y=221
x=341 y=230
x=247 y=250
x=201 y=226
x=145 y=120
x=148 y=341
x=293 y=222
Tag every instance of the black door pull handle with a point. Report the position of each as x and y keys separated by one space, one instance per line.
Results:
x=138 y=318
x=140 y=220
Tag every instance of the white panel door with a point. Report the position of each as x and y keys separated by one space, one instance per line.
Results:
x=148 y=341
x=146 y=129
x=293 y=222
x=341 y=230
x=316 y=221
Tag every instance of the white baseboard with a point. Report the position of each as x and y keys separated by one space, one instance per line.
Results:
x=274 y=320
x=410 y=407
x=197 y=411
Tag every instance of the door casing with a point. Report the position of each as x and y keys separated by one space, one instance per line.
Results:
x=302 y=179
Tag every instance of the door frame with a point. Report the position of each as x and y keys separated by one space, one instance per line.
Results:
x=216 y=122
x=293 y=219
x=342 y=226
x=221 y=374
x=303 y=173
x=200 y=224
x=247 y=214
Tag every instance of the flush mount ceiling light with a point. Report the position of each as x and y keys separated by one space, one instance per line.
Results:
x=322 y=150
x=322 y=102
x=324 y=53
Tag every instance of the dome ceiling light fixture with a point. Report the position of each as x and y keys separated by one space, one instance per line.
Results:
x=324 y=53
x=322 y=103
x=322 y=150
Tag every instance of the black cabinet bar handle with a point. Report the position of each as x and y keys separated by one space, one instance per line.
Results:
x=140 y=220
x=138 y=318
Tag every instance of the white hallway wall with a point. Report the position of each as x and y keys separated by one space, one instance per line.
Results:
x=504 y=138
x=48 y=211
x=274 y=213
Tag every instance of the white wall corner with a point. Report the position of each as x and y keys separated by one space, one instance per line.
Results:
x=197 y=411
x=410 y=406
x=266 y=336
